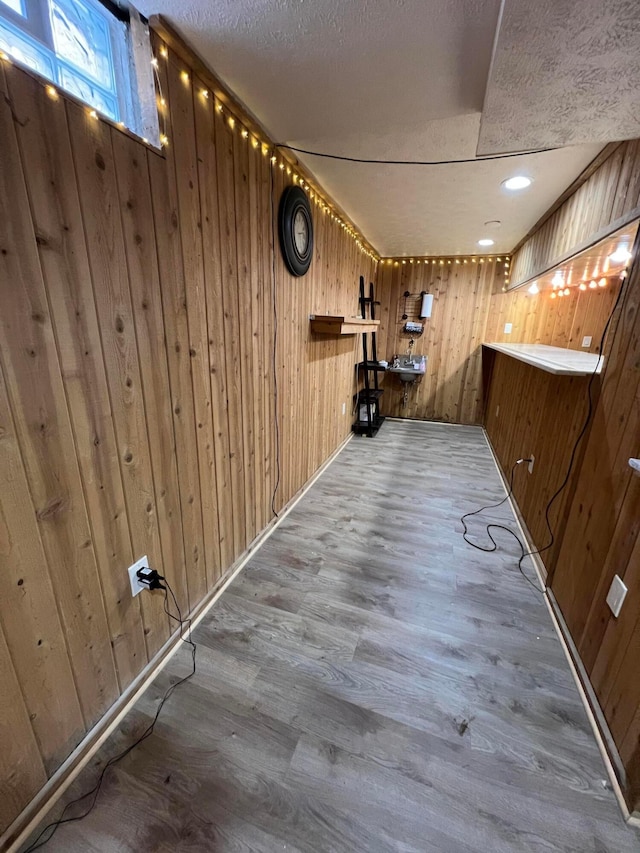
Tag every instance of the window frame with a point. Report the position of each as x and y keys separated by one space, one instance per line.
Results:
x=35 y=25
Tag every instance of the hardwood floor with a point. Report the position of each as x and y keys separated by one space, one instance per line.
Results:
x=368 y=683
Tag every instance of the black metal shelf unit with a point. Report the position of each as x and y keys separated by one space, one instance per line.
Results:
x=369 y=420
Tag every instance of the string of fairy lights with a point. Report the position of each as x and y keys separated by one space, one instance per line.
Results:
x=268 y=149
x=455 y=261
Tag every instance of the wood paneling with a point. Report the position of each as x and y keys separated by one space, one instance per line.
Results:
x=451 y=389
x=596 y=520
x=530 y=412
x=608 y=199
x=138 y=342
x=538 y=319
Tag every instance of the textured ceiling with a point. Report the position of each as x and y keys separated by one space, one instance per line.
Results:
x=576 y=66
x=400 y=79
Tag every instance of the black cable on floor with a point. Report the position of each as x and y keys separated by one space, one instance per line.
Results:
x=93 y=793
x=567 y=476
x=495 y=526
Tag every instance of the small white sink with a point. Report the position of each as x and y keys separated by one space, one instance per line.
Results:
x=409 y=367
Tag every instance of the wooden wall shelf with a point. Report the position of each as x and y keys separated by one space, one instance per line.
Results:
x=330 y=324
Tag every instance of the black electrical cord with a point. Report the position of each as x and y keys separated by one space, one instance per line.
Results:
x=275 y=343
x=410 y=162
x=94 y=792
x=495 y=526
x=567 y=476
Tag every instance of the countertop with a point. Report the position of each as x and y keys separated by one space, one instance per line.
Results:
x=556 y=360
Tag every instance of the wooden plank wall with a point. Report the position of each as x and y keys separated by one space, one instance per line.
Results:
x=532 y=413
x=601 y=538
x=608 y=199
x=597 y=520
x=451 y=390
x=564 y=322
x=137 y=390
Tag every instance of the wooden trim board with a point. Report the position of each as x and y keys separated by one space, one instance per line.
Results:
x=30 y=817
x=632 y=818
x=329 y=324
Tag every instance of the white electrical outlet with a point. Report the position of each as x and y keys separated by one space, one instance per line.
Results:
x=507 y=328
x=617 y=594
x=142 y=563
x=530 y=465
x=586 y=341
x=344 y=408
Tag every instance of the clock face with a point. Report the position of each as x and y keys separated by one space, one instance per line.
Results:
x=295 y=229
x=300 y=233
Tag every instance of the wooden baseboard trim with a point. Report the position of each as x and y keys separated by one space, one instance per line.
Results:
x=567 y=643
x=33 y=814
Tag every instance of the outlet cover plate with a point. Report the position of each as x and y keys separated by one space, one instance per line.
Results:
x=142 y=563
x=507 y=328
x=617 y=594
x=530 y=464
x=586 y=341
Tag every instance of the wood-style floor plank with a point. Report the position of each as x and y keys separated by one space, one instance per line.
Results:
x=368 y=683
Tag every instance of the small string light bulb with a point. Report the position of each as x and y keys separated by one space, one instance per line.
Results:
x=205 y=94
x=93 y=114
x=52 y=92
x=184 y=75
x=164 y=140
x=231 y=122
x=164 y=53
x=219 y=107
x=154 y=61
x=244 y=133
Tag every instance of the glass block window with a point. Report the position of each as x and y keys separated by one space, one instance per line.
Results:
x=81 y=46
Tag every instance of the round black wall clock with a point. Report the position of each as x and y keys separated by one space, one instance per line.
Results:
x=295 y=227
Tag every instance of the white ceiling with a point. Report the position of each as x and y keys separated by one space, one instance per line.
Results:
x=383 y=79
x=575 y=63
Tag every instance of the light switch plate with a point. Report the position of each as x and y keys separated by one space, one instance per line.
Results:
x=586 y=341
x=617 y=594
x=507 y=328
x=142 y=563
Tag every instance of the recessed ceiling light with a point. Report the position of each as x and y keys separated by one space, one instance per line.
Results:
x=493 y=223
x=485 y=242
x=517 y=182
